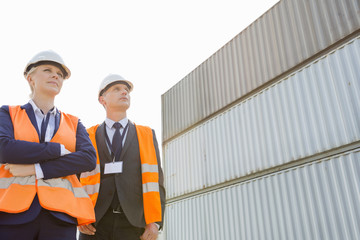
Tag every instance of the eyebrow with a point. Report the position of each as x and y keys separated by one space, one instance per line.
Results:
x=57 y=69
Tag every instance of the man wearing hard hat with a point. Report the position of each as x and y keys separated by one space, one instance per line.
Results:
x=126 y=187
x=41 y=151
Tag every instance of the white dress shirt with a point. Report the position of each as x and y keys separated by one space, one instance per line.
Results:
x=39 y=116
x=110 y=130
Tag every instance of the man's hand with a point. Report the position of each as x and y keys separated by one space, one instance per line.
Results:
x=87 y=229
x=21 y=170
x=151 y=232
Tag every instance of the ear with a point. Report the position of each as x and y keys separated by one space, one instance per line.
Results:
x=29 y=79
x=101 y=100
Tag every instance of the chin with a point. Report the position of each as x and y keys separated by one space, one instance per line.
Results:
x=53 y=92
x=124 y=107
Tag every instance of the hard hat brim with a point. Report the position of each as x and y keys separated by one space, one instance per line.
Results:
x=63 y=68
x=127 y=83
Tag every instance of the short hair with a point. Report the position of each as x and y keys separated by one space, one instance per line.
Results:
x=31 y=71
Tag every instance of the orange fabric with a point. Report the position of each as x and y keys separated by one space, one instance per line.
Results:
x=90 y=180
x=23 y=120
x=150 y=177
x=25 y=194
x=152 y=207
x=151 y=200
x=18 y=197
x=94 y=197
x=66 y=134
x=146 y=147
x=92 y=131
x=4 y=173
x=63 y=200
x=94 y=178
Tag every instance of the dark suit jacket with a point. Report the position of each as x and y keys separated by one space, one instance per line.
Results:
x=47 y=154
x=127 y=184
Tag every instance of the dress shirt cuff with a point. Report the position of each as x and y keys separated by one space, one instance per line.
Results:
x=38 y=171
x=62 y=150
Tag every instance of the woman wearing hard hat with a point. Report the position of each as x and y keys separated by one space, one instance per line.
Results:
x=41 y=151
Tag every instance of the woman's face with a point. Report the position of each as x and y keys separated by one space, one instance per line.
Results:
x=46 y=79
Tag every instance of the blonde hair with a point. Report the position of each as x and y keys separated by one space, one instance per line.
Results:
x=30 y=72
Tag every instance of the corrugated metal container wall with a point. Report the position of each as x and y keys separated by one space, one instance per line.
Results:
x=287 y=35
x=316 y=201
x=316 y=109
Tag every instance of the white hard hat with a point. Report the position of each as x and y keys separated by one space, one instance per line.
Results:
x=113 y=79
x=48 y=57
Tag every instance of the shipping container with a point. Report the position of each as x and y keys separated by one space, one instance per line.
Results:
x=316 y=201
x=288 y=35
x=262 y=140
x=313 y=110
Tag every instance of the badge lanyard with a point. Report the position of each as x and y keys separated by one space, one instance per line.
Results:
x=113 y=153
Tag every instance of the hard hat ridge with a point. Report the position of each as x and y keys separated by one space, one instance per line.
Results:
x=112 y=79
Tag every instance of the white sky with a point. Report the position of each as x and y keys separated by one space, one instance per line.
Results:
x=154 y=44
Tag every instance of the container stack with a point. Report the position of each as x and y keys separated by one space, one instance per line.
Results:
x=262 y=140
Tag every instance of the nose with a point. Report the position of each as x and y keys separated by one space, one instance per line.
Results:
x=54 y=75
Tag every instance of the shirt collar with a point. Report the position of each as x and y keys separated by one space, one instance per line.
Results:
x=38 y=110
x=109 y=123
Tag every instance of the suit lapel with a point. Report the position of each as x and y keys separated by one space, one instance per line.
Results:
x=101 y=143
x=57 y=122
x=30 y=112
x=129 y=138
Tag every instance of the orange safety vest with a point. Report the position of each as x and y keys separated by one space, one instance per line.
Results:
x=64 y=194
x=149 y=169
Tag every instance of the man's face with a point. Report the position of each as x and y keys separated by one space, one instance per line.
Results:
x=116 y=98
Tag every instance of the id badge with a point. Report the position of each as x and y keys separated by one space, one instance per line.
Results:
x=113 y=167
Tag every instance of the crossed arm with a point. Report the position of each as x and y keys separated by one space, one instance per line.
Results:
x=20 y=156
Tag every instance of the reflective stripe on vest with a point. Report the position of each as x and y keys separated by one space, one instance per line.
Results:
x=91 y=180
x=63 y=194
x=150 y=174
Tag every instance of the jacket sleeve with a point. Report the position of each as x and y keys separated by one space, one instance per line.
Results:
x=161 y=179
x=22 y=152
x=82 y=160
